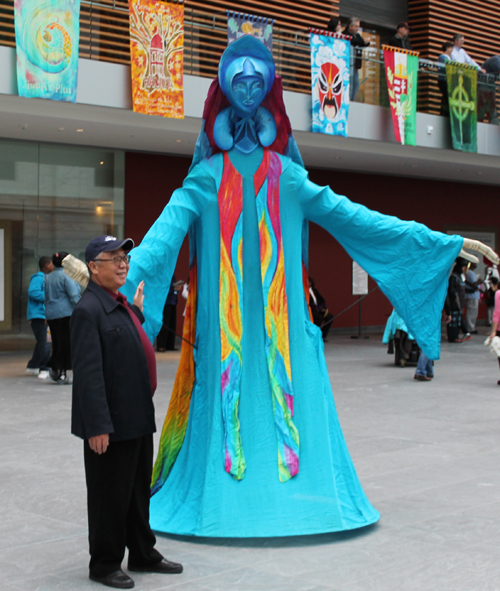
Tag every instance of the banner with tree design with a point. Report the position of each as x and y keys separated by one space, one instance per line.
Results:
x=156 y=48
x=462 y=96
x=401 y=68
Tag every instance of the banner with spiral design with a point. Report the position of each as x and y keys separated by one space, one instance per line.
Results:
x=47 y=36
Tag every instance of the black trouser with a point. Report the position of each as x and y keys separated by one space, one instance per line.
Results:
x=61 y=348
x=166 y=337
x=118 y=493
x=41 y=352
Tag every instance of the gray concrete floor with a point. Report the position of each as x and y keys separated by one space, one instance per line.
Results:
x=426 y=453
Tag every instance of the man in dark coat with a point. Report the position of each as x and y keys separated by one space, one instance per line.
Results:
x=114 y=379
x=401 y=39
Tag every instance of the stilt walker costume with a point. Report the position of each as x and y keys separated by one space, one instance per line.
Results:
x=252 y=444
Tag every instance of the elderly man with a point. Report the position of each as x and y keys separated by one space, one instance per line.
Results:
x=459 y=54
x=357 y=45
x=114 y=371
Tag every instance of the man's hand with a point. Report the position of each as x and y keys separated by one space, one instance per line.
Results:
x=99 y=443
x=139 y=296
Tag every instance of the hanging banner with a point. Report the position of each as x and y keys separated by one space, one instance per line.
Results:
x=462 y=96
x=401 y=68
x=156 y=52
x=47 y=36
x=330 y=58
x=239 y=24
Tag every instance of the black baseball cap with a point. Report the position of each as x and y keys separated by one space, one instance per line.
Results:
x=105 y=244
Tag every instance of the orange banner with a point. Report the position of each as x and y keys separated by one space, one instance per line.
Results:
x=156 y=51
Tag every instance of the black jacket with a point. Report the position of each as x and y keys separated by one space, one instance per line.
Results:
x=111 y=384
x=404 y=43
x=357 y=43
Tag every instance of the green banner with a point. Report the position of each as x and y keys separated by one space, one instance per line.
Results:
x=462 y=94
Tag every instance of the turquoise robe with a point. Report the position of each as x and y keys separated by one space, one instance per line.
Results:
x=411 y=265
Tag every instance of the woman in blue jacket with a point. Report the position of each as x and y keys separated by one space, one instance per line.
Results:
x=61 y=296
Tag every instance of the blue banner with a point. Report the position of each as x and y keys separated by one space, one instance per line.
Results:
x=330 y=59
x=47 y=36
x=239 y=24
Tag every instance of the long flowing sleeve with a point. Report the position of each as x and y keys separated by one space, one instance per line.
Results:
x=409 y=262
x=153 y=261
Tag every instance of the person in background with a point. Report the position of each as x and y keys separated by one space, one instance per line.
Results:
x=492 y=66
x=442 y=83
x=496 y=317
x=37 y=365
x=453 y=304
x=401 y=39
x=425 y=369
x=357 y=44
x=165 y=341
x=459 y=54
x=320 y=312
x=61 y=296
x=472 y=295
x=334 y=25
x=490 y=280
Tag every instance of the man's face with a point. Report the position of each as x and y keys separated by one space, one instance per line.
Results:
x=459 y=42
x=403 y=32
x=49 y=267
x=353 y=29
x=107 y=273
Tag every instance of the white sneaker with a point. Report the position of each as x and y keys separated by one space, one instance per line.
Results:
x=43 y=375
x=32 y=371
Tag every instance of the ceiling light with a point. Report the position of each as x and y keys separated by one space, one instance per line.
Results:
x=178 y=141
x=79 y=130
x=102 y=162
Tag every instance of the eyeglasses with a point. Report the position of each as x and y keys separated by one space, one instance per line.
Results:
x=117 y=260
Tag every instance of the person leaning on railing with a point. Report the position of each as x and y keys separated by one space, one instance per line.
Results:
x=401 y=39
x=443 y=85
x=357 y=44
x=492 y=67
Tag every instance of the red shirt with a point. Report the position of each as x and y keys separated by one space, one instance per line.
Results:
x=146 y=343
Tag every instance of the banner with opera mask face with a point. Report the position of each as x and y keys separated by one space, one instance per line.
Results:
x=157 y=57
x=330 y=58
x=239 y=24
x=47 y=36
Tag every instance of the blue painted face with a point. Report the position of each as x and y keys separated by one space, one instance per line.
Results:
x=247 y=94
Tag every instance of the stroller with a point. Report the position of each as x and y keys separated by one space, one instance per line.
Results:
x=400 y=342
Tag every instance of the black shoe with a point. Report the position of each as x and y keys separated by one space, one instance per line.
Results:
x=474 y=332
x=118 y=580
x=54 y=375
x=164 y=566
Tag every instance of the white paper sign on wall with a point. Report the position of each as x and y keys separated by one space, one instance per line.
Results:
x=359 y=280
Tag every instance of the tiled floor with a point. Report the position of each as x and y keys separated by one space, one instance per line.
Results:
x=426 y=453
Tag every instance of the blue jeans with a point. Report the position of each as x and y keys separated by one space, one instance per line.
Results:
x=41 y=353
x=354 y=83
x=424 y=366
